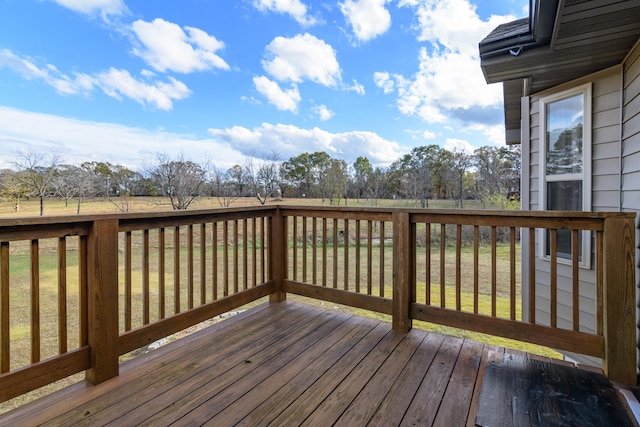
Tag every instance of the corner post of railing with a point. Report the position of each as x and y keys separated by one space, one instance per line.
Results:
x=619 y=305
x=277 y=256
x=102 y=300
x=402 y=271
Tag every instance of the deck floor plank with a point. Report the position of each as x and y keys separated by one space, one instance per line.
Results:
x=370 y=397
x=268 y=396
x=390 y=412
x=277 y=402
x=424 y=406
x=293 y=364
x=215 y=379
x=144 y=384
x=307 y=402
x=457 y=399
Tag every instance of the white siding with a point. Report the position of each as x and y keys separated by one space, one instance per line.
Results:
x=631 y=147
x=605 y=194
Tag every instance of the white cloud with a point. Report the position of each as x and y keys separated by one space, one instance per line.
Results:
x=323 y=112
x=494 y=133
x=289 y=141
x=104 y=8
x=449 y=77
x=167 y=47
x=78 y=141
x=357 y=88
x=116 y=83
x=459 y=145
x=295 y=8
x=384 y=81
x=286 y=100
x=368 y=18
x=428 y=135
x=302 y=57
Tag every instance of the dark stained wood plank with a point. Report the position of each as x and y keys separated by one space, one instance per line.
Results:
x=523 y=391
x=342 y=396
x=369 y=398
x=260 y=392
x=489 y=354
x=277 y=402
x=306 y=403
x=133 y=372
x=199 y=389
x=425 y=404
x=457 y=399
x=391 y=410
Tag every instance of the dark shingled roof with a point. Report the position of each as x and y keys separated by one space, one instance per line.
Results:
x=510 y=29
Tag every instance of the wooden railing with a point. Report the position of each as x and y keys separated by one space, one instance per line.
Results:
x=78 y=292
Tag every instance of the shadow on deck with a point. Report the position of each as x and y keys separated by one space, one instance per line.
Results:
x=293 y=364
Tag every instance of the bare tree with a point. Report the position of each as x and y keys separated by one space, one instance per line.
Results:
x=221 y=188
x=37 y=173
x=12 y=189
x=180 y=179
x=265 y=177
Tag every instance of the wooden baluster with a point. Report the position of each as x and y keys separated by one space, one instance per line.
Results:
x=190 y=266
x=575 y=278
x=127 y=281
x=532 y=275
x=203 y=264
x=161 y=273
x=62 y=295
x=458 y=267
x=304 y=249
x=35 y=301
x=225 y=258
x=443 y=265
x=335 y=253
x=427 y=260
x=382 y=268
x=553 y=298
x=314 y=250
x=369 y=257
x=236 y=249
x=345 y=235
x=324 y=251
x=358 y=261
x=494 y=273
x=254 y=252
x=145 y=277
x=176 y=270
x=5 y=336
x=476 y=267
x=512 y=271
x=214 y=260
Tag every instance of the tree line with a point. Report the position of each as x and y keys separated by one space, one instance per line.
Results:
x=426 y=173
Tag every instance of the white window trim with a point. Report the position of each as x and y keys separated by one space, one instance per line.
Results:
x=586 y=91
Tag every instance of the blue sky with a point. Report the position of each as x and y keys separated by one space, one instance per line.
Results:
x=222 y=81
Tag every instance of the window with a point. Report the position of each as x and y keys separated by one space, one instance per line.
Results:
x=565 y=163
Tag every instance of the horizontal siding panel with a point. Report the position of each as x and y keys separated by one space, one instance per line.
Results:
x=606 y=150
x=608 y=85
x=606 y=118
x=606 y=166
x=606 y=182
x=631 y=182
x=607 y=134
x=631 y=162
x=632 y=107
x=631 y=127
x=631 y=200
x=609 y=101
x=603 y=201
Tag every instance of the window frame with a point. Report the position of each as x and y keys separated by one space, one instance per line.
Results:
x=585 y=176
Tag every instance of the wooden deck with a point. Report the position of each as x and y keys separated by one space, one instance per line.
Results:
x=284 y=364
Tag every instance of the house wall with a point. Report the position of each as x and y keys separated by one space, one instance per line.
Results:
x=631 y=147
x=605 y=193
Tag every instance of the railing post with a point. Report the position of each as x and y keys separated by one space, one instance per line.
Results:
x=277 y=258
x=102 y=300
x=619 y=305
x=402 y=271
